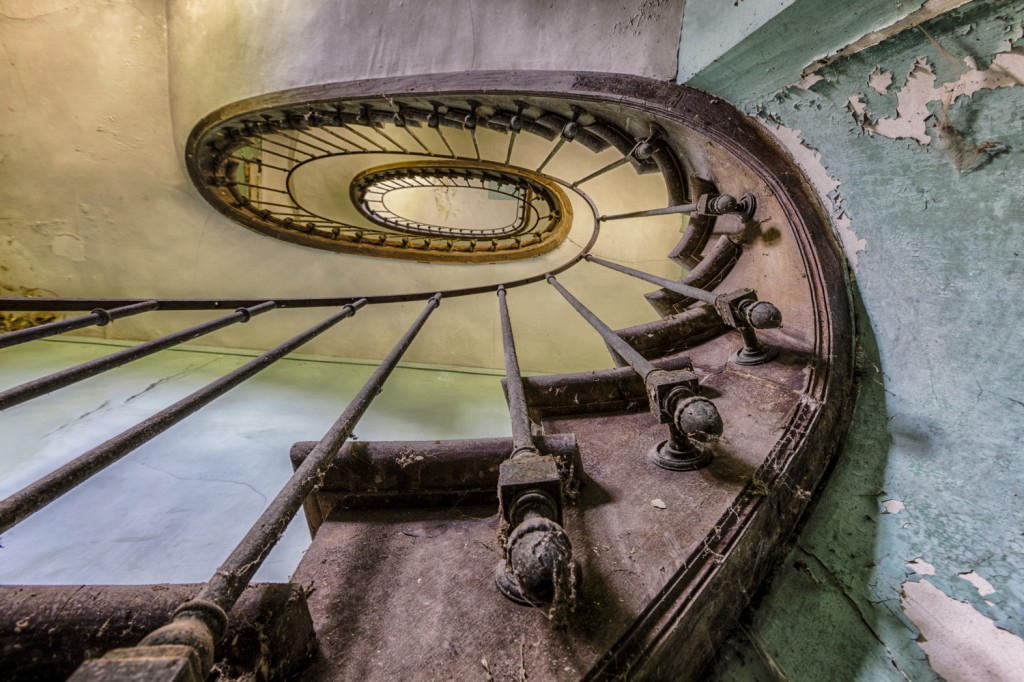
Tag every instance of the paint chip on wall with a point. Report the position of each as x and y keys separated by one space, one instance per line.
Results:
x=827 y=187
x=984 y=587
x=961 y=643
x=921 y=567
x=879 y=80
x=892 y=506
x=912 y=111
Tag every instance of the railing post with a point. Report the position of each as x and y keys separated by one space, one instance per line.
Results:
x=740 y=310
x=673 y=397
x=707 y=205
x=537 y=565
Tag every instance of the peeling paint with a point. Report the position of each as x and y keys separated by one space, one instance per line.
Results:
x=960 y=642
x=984 y=587
x=929 y=10
x=879 y=80
x=942 y=281
x=892 y=506
x=920 y=90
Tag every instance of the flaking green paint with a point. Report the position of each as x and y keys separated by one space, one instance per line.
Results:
x=939 y=419
x=775 y=54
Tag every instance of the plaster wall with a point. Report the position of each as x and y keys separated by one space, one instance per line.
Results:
x=926 y=493
x=915 y=145
x=95 y=202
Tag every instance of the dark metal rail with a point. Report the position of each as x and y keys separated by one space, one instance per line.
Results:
x=37 y=495
x=673 y=398
x=522 y=434
x=537 y=564
x=99 y=317
x=639 y=363
x=201 y=622
x=33 y=389
x=739 y=309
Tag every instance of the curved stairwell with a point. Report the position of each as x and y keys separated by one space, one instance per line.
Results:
x=635 y=509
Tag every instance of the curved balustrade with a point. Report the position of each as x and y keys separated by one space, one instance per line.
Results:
x=738 y=428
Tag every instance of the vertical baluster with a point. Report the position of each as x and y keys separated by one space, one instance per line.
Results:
x=200 y=623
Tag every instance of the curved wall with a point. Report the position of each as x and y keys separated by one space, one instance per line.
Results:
x=221 y=52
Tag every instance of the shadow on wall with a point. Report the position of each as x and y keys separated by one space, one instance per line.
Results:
x=917 y=143
x=840 y=530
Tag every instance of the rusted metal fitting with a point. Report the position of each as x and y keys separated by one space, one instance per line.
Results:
x=730 y=307
x=645 y=150
x=105 y=317
x=723 y=204
x=742 y=311
x=761 y=314
x=697 y=417
x=197 y=624
x=523 y=481
x=540 y=563
x=665 y=387
x=692 y=420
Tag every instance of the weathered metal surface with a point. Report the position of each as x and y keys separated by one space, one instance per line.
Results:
x=672 y=631
x=47 y=631
x=374 y=183
x=200 y=623
x=99 y=317
x=537 y=564
x=372 y=596
x=166 y=663
x=221 y=162
x=673 y=334
x=707 y=274
x=42 y=386
x=698 y=230
x=394 y=474
x=606 y=390
x=668 y=555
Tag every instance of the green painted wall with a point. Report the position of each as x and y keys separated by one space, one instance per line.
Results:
x=938 y=425
x=779 y=39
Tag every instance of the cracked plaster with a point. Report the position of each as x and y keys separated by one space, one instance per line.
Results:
x=937 y=423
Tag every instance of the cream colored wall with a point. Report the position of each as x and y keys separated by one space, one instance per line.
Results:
x=94 y=201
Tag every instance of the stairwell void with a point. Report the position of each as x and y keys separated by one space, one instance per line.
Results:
x=634 y=509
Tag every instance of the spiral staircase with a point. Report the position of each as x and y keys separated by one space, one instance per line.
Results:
x=634 y=511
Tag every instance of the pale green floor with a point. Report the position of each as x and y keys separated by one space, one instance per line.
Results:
x=173 y=509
